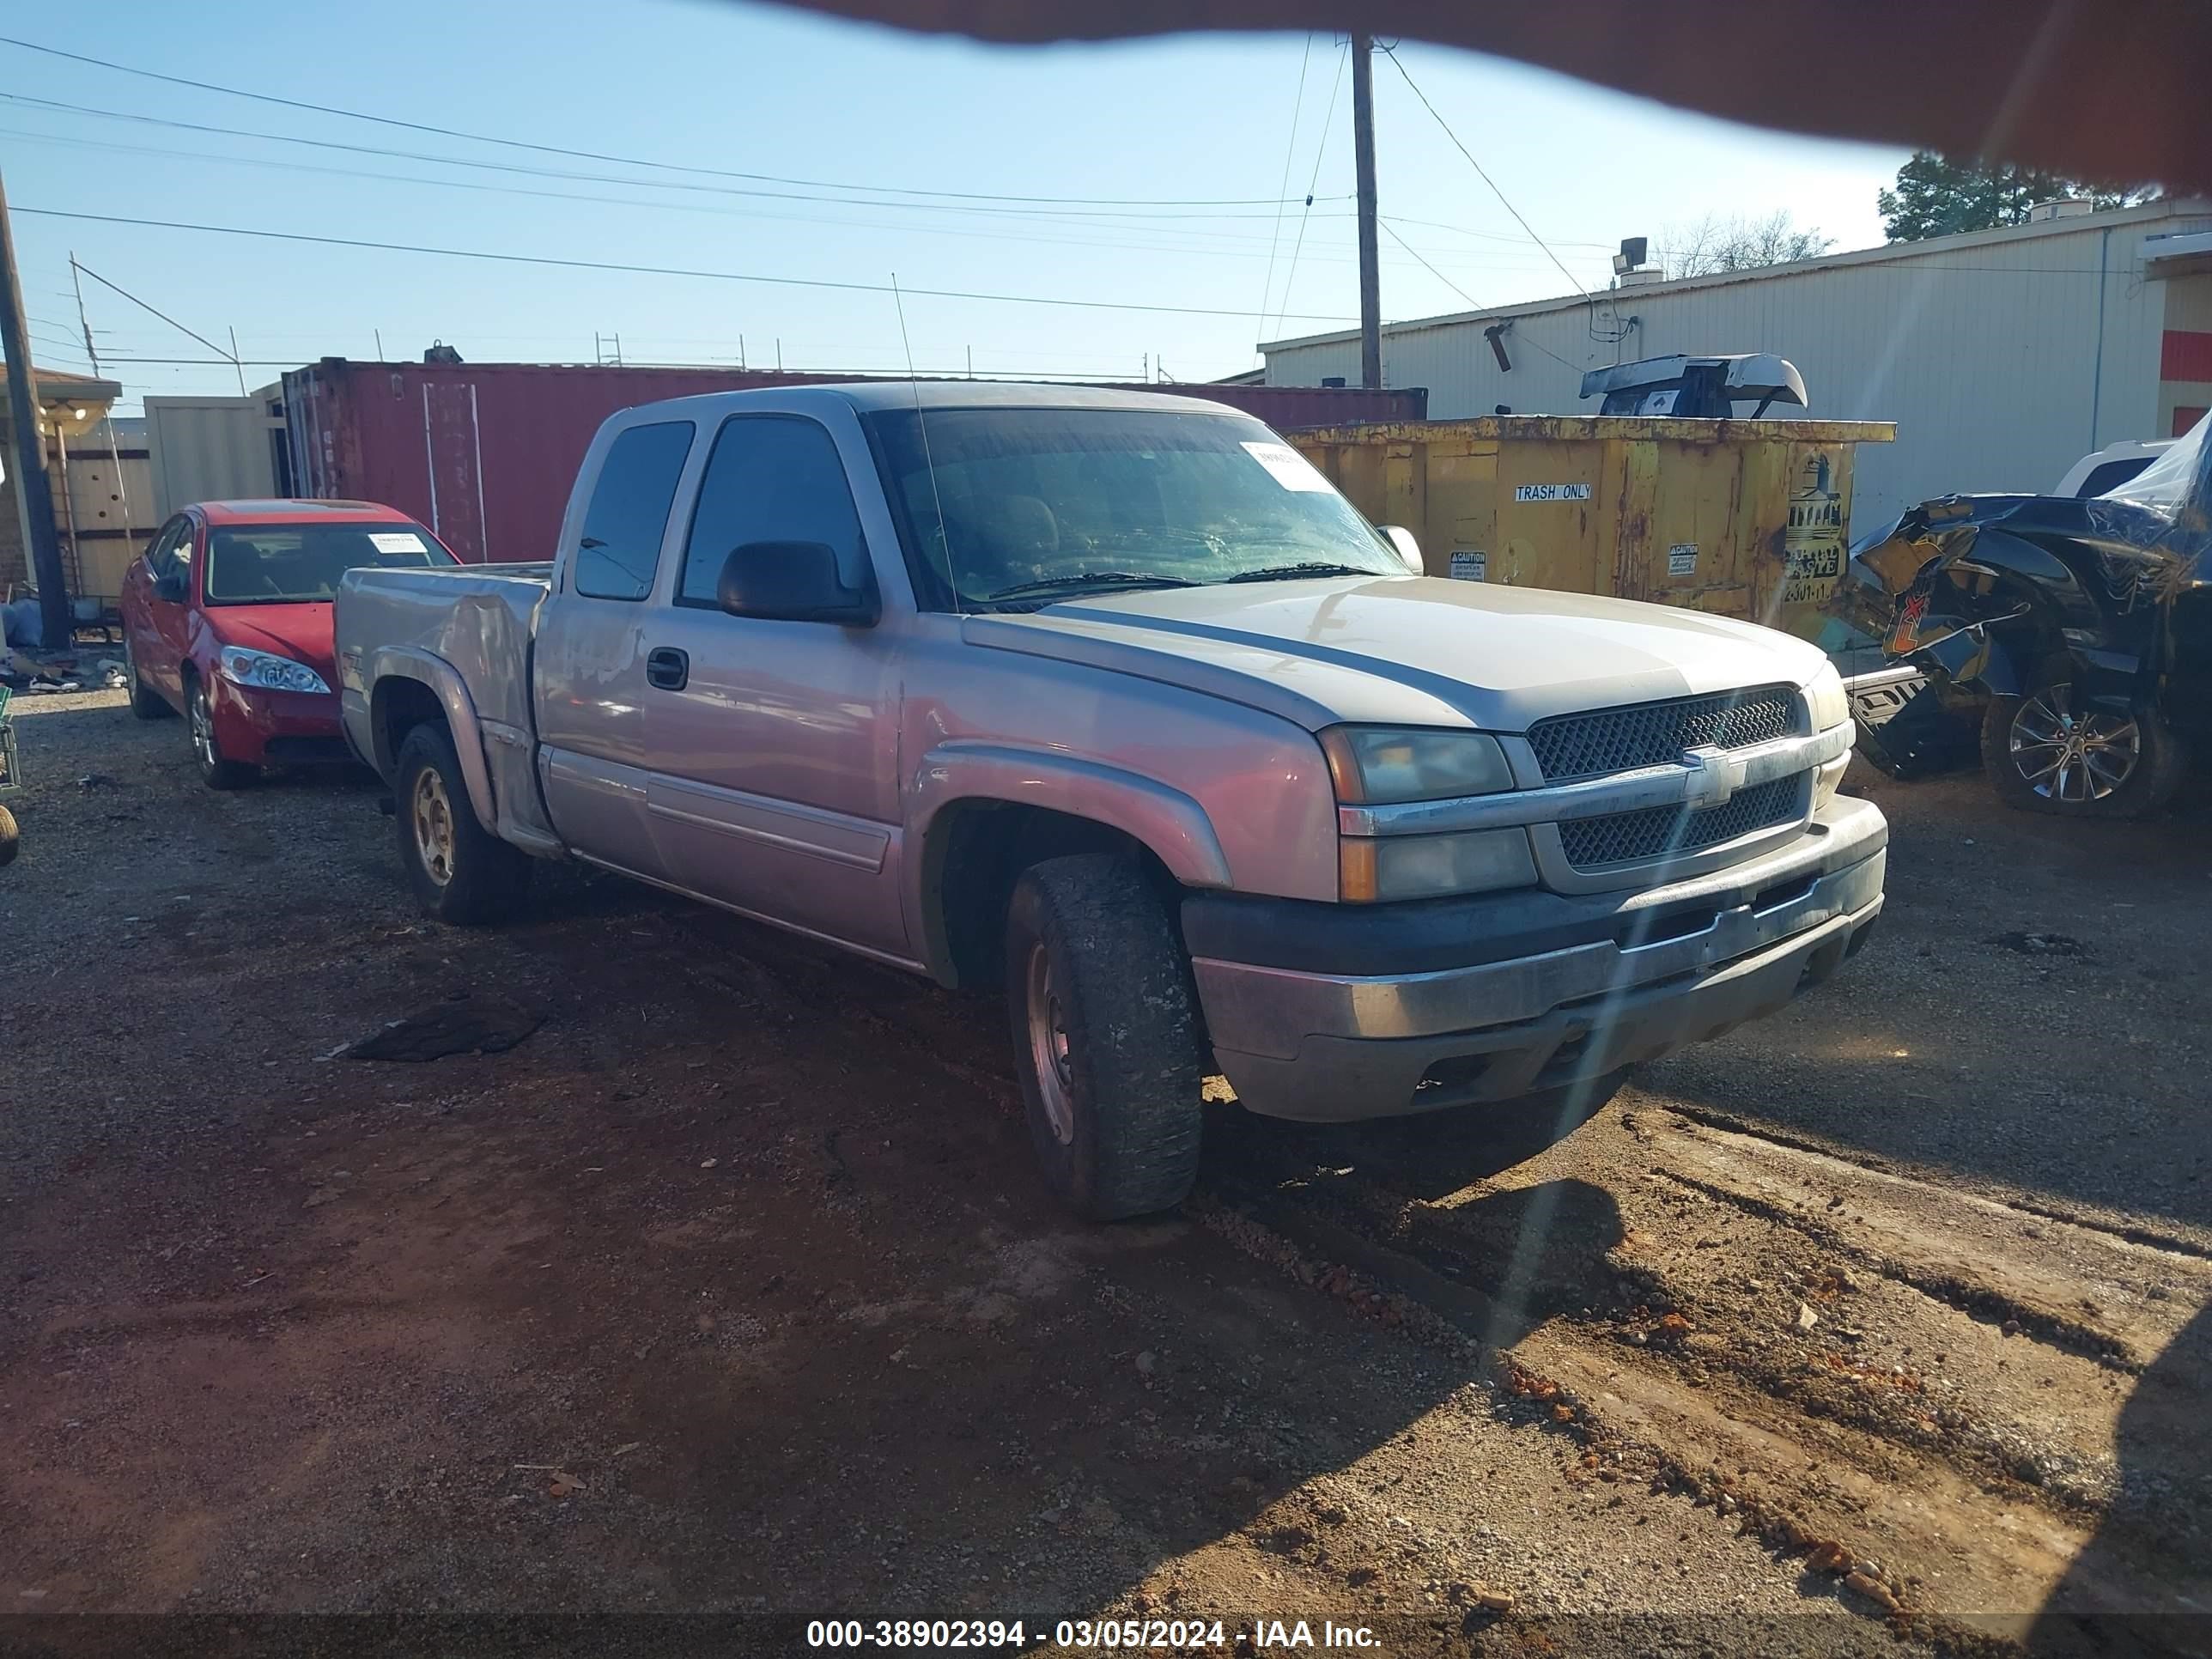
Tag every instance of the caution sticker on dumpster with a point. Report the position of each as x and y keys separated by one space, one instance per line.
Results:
x=1682 y=559
x=1286 y=467
x=1470 y=564
x=1558 y=492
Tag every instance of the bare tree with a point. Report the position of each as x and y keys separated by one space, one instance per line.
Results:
x=1715 y=244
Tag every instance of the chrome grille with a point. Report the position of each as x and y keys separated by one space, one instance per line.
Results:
x=1657 y=832
x=1656 y=733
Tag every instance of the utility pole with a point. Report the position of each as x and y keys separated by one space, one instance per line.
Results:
x=1371 y=270
x=35 y=500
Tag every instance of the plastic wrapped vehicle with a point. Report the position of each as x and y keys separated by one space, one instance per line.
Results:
x=2076 y=631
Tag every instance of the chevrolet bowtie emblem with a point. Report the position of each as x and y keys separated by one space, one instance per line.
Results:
x=1714 y=775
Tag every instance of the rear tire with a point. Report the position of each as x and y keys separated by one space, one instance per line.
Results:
x=216 y=771
x=2045 y=754
x=460 y=871
x=1106 y=1036
x=146 y=703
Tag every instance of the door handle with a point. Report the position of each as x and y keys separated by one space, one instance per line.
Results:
x=667 y=668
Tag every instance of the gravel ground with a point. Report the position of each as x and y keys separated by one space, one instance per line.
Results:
x=727 y=1290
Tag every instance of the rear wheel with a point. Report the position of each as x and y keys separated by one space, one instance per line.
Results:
x=146 y=703
x=460 y=871
x=1106 y=1036
x=216 y=771
x=2052 y=751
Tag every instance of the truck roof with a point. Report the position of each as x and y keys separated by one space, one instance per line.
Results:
x=958 y=394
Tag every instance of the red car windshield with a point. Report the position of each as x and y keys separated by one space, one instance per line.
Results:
x=301 y=563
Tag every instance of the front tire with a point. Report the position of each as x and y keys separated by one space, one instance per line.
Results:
x=1106 y=1036
x=2049 y=752
x=460 y=871
x=216 y=771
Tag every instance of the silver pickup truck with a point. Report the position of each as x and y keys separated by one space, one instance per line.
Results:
x=1112 y=700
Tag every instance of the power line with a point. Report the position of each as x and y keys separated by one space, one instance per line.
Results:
x=1490 y=235
x=1485 y=177
x=1289 y=154
x=1077 y=214
x=1320 y=150
x=222 y=356
x=624 y=160
x=1431 y=270
x=647 y=270
x=1186 y=245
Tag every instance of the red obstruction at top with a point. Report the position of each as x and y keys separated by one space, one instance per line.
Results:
x=2110 y=90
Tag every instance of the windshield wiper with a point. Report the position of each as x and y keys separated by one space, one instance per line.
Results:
x=1277 y=573
x=1102 y=579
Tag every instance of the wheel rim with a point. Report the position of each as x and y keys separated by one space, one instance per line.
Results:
x=1048 y=1021
x=431 y=813
x=203 y=723
x=2072 y=758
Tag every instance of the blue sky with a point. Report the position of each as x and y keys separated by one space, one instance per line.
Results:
x=756 y=89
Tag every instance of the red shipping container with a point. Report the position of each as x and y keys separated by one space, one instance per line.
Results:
x=484 y=453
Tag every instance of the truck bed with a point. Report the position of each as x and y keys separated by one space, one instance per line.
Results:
x=478 y=617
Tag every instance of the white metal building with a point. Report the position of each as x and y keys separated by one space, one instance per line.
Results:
x=2004 y=355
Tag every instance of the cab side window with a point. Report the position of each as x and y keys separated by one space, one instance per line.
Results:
x=771 y=478
x=165 y=555
x=629 y=512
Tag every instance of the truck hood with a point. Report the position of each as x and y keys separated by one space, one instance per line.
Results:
x=1417 y=651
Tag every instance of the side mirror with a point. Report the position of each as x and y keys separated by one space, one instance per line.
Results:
x=1409 y=549
x=174 y=587
x=793 y=581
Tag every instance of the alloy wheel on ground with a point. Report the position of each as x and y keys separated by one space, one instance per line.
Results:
x=431 y=814
x=2070 y=758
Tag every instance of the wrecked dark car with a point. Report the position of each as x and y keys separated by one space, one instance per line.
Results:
x=2068 y=640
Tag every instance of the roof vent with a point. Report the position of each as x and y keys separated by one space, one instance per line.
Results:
x=2066 y=207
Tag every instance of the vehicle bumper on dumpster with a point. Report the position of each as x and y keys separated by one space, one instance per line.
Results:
x=1332 y=1013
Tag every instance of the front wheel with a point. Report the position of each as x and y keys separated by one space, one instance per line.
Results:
x=460 y=871
x=2051 y=752
x=1106 y=1036
x=216 y=771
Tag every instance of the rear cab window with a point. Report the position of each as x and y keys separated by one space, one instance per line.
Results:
x=619 y=551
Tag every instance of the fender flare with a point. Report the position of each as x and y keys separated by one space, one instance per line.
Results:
x=444 y=683
x=1169 y=823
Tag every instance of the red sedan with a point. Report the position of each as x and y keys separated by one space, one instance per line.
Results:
x=228 y=620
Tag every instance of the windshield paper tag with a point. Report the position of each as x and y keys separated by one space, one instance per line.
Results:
x=1682 y=559
x=1566 y=492
x=1470 y=564
x=395 y=541
x=1286 y=467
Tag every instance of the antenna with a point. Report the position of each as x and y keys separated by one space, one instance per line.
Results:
x=922 y=421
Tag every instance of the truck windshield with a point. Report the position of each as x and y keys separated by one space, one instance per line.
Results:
x=301 y=564
x=1011 y=508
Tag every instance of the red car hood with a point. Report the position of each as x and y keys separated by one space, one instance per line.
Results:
x=301 y=632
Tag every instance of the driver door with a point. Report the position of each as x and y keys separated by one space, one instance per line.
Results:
x=774 y=744
x=159 y=638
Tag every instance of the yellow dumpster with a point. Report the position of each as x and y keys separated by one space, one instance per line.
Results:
x=1745 y=518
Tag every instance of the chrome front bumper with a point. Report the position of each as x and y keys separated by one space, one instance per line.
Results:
x=1681 y=964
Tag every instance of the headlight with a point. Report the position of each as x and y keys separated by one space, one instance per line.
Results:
x=1831 y=704
x=1373 y=765
x=1379 y=868
x=267 y=672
